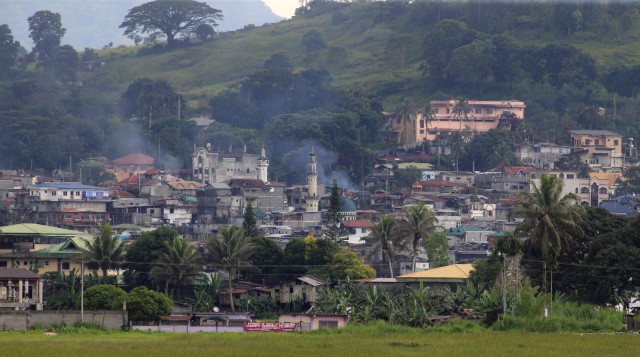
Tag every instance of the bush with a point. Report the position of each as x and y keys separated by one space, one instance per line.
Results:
x=146 y=305
x=104 y=297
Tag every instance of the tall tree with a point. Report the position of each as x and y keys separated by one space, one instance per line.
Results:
x=46 y=31
x=333 y=213
x=437 y=249
x=103 y=252
x=8 y=50
x=168 y=18
x=249 y=224
x=64 y=60
x=177 y=265
x=141 y=254
x=415 y=227
x=550 y=220
x=385 y=240
x=231 y=252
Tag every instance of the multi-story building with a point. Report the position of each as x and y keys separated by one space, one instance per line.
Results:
x=444 y=119
x=209 y=167
x=541 y=155
x=600 y=149
x=69 y=204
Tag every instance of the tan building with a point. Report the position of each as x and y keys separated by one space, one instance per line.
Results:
x=592 y=191
x=481 y=116
x=600 y=149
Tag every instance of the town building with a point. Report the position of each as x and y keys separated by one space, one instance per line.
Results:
x=210 y=167
x=20 y=289
x=600 y=149
x=444 y=119
x=541 y=155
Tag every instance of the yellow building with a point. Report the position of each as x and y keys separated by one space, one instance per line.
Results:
x=600 y=149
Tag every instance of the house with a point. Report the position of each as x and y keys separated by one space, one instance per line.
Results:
x=28 y=237
x=315 y=321
x=20 y=289
x=541 y=155
x=133 y=163
x=303 y=290
x=69 y=204
x=439 y=278
x=466 y=178
x=357 y=230
x=442 y=121
x=600 y=149
x=216 y=166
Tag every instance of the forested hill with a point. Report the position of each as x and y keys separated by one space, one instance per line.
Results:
x=325 y=75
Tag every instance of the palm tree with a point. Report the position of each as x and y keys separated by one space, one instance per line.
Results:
x=231 y=252
x=177 y=264
x=456 y=145
x=550 y=219
x=404 y=113
x=461 y=111
x=385 y=240
x=419 y=222
x=104 y=251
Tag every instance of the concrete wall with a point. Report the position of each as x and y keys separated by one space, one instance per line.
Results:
x=23 y=320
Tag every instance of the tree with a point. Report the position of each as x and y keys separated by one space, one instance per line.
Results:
x=177 y=264
x=231 y=252
x=103 y=252
x=64 y=61
x=249 y=224
x=312 y=41
x=550 y=220
x=346 y=264
x=8 y=50
x=278 y=60
x=492 y=150
x=145 y=98
x=266 y=258
x=204 y=32
x=89 y=54
x=46 y=31
x=146 y=305
x=385 y=240
x=141 y=254
x=415 y=227
x=437 y=248
x=333 y=213
x=168 y=18
x=104 y=297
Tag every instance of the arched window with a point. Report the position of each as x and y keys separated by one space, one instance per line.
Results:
x=584 y=190
x=603 y=190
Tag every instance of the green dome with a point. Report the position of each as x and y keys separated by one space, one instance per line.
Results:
x=347 y=205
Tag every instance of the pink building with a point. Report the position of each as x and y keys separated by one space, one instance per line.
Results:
x=480 y=116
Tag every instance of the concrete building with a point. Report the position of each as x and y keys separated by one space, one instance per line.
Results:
x=69 y=204
x=541 y=155
x=600 y=149
x=20 y=289
x=210 y=167
x=481 y=116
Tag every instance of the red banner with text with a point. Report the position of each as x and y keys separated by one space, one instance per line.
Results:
x=270 y=326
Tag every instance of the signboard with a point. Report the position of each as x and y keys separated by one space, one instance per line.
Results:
x=270 y=326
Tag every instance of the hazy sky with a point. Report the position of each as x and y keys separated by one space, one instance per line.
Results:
x=284 y=8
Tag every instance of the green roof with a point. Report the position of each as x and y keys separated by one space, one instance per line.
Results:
x=33 y=229
x=463 y=229
x=73 y=245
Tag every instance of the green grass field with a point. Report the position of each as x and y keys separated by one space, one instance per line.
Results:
x=354 y=341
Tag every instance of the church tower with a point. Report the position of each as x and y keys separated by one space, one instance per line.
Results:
x=312 y=184
x=263 y=166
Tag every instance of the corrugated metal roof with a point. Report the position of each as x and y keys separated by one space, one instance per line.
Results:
x=455 y=271
x=313 y=281
x=36 y=229
x=16 y=273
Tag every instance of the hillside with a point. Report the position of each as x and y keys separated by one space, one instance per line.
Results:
x=383 y=54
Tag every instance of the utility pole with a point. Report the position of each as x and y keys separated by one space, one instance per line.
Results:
x=82 y=291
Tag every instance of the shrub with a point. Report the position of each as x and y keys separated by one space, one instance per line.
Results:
x=146 y=305
x=104 y=297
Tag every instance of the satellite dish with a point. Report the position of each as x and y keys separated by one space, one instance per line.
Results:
x=215 y=309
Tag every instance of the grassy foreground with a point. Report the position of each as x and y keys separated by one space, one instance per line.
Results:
x=353 y=341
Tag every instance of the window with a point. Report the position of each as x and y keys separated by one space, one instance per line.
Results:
x=170 y=210
x=290 y=289
x=65 y=266
x=489 y=111
x=46 y=263
x=570 y=176
x=421 y=124
x=597 y=142
x=77 y=193
x=328 y=324
x=152 y=211
x=3 y=264
x=587 y=141
x=64 y=193
x=478 y=111
x=615 y=142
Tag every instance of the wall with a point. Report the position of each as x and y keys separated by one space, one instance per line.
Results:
x=23 y=320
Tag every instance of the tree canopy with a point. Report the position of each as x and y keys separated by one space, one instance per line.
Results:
x=8 y=50
x=46 y=31
x=169 y=18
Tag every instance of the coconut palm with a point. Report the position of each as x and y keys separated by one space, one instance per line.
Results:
x=385 y=240
x=177 y=264
x=406 y=114
x=416 y=226
x=104 y=251
x=461 y=111
x=231 y=252
x=550 y=220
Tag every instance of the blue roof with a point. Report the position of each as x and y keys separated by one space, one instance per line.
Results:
x=347 y=204
x=69 y=186
x=617 y=208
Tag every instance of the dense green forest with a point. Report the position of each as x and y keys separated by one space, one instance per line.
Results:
x=322 y=78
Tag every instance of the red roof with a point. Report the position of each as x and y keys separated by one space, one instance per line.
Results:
x=131 y=179
x=151 y=172
x=518 y=170
x=134 y=159
x=358 y=223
